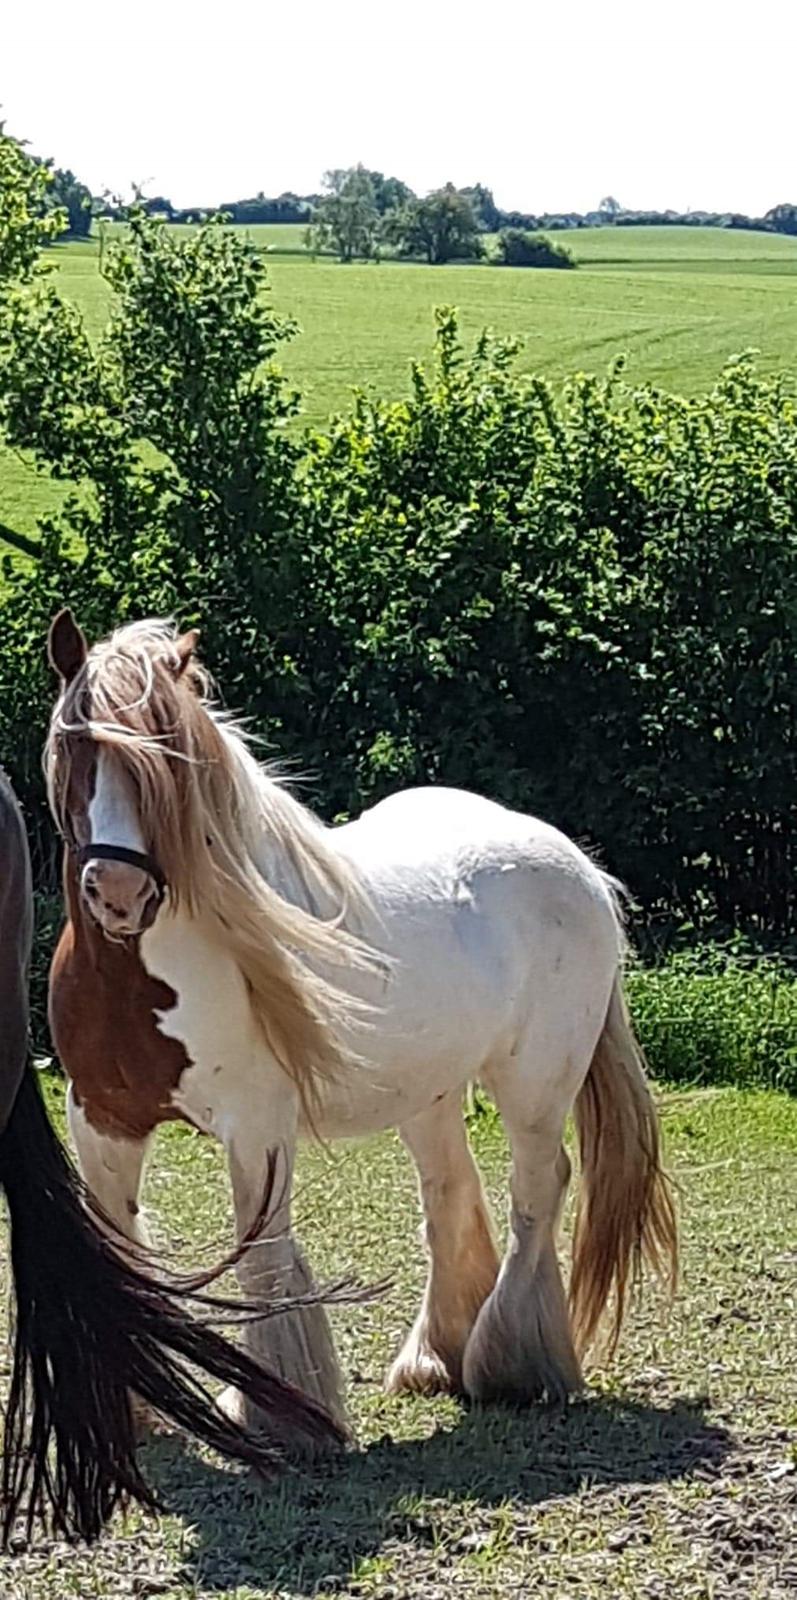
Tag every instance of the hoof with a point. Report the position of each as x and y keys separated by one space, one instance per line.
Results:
x=518 y=1372
x=515 y=1386
x=236 y=1409
x=245 y=1414
x=146 y=1421
x=420 y=1369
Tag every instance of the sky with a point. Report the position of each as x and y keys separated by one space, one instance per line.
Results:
x=553 y=105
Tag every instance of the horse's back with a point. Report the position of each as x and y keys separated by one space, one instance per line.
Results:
x=443 y=840
x=422 y=818
x=487 y=913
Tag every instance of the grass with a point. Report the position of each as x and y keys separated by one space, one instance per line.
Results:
x=679 y=301
x=682 y=248
x=674 y=1476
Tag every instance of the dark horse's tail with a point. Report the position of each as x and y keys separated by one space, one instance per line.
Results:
x=92 y=1326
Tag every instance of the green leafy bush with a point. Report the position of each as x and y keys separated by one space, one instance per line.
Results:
x=518 y=248
x=49 y=910
x=716 y=1016
x=583 y=602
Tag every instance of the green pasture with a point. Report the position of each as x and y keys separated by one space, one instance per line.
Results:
x=678 y=301
x=675 y=1475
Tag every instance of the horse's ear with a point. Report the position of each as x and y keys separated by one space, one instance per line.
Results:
x=184 y=649
x=66 y=645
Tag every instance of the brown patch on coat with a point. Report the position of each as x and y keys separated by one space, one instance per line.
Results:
x=103 y=1006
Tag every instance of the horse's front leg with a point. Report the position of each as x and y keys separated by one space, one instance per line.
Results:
x=295 y=1343
x=112 y=1168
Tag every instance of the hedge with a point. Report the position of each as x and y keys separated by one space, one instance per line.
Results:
x=580 y=600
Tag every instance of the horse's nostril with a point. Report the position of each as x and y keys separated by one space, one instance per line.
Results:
x=149 y=910
x=92 y=891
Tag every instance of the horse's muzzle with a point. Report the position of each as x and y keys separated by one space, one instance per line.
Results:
x=122 y=899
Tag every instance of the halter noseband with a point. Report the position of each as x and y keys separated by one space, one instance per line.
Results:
x=119 y=852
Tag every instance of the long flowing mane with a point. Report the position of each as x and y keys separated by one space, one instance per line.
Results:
x=234 y=844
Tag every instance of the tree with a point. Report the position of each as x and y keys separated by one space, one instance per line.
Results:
x=442 y=227
x=157 y=205
x=517 y=248
x=37 y=202
x=262 y=208
x=390 y=194
x=484 y=207
x=782 y=219
x=26 y=223
x=610 y=208
x=346 y=217
x=75 y=199
x=524 y=220
x=185 y=368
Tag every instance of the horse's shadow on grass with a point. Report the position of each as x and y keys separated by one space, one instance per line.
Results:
x=307 y=1530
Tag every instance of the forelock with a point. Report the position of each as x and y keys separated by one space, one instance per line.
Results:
x=132 y=690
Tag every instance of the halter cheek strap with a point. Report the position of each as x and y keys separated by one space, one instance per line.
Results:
x=130 y=858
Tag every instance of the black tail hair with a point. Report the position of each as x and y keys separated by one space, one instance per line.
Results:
x=93 y=1324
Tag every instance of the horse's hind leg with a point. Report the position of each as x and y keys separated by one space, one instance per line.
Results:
x=463 y=1257
x=522 y=1345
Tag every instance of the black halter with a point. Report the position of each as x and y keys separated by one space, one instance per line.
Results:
x=119 y=852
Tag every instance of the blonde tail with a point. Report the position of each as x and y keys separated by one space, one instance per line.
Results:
x=625 y=1211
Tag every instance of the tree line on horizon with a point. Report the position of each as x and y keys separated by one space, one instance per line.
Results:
x=391 y=193
x=359 y=211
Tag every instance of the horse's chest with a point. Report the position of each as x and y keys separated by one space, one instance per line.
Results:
x=211 y=1020
x=104 y=1010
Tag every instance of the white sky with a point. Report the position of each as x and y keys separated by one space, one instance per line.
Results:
x=553 y=103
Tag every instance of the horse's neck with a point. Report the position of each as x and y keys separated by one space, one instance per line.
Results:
x=292 y=850
x=276 y=860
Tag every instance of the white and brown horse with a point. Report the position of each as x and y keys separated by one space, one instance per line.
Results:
x=94 y=1322
x=218 y=966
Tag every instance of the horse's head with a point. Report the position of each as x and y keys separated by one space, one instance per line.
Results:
x=116 y=745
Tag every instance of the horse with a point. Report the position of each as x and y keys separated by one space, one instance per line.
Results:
x=230 y=961
x=94 y=1322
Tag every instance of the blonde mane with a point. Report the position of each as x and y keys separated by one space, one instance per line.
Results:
x=216 y=819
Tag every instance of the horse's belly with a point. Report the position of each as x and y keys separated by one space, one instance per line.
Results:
x=368 y=1103
x=417 y=1051
x=452 y=1005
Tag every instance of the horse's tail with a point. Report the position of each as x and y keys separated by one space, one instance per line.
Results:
x=92 y=1325
x=625 y=1211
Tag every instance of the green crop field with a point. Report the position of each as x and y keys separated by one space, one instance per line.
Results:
x=683 y=249
x=674 y=1477
x=678 y=301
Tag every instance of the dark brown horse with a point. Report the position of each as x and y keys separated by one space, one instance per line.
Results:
x=93 y=1323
